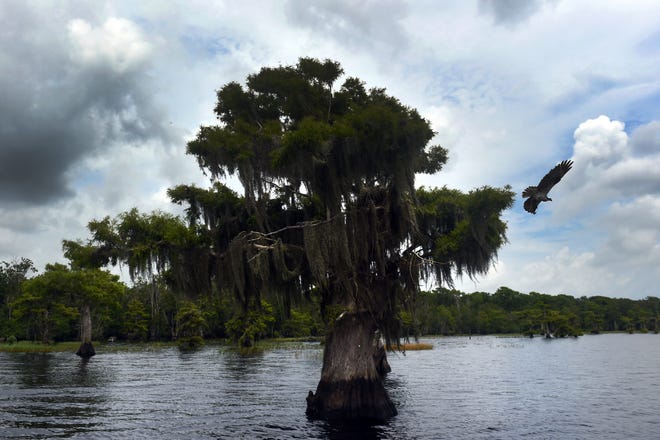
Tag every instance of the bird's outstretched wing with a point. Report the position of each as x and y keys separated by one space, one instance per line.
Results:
x=554 y=176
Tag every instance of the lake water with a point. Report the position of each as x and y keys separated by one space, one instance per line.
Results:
x=593 y=387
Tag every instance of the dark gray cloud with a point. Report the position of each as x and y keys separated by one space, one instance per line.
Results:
x=65 y=100
x=511 y=12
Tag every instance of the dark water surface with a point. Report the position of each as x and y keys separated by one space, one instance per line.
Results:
x=593 y=387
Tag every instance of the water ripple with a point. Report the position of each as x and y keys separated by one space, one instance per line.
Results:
x=595 y=387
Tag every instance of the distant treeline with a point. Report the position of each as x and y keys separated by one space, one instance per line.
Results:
x=450 y=312
x=46 y=307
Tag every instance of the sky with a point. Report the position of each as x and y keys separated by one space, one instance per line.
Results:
x=98 y=100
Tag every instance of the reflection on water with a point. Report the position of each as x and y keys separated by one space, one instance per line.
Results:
x=49 y=397
x=242 y=366
x=37 y=368
x=594 y=387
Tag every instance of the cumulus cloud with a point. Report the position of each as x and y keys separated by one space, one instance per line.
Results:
x=610 y=165
x=600 y=142
x=573 y=273
x=117 y=44
x=632 y=232
x=623 y=259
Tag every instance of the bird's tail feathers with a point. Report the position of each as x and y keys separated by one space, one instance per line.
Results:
x=530 y=205
x=529 y=191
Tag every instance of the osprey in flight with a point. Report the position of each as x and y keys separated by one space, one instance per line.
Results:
x=539 y=193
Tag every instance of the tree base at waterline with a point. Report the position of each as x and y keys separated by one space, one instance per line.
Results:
x=358 y=399
x=351 y=385
x=86 y=350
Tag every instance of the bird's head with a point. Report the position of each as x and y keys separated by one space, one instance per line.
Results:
x=549 y=199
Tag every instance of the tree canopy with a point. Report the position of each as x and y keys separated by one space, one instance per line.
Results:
x=51 y=302
x=12 y=275
x=329 y=202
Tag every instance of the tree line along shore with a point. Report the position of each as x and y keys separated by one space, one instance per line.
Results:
x=46 y=308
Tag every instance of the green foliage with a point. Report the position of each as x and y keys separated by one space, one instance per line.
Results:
x=157 y=248
x=329 y=203
x=190 y=326
x=190 y=321
x=190 y=342
x=329 y=212
x=38 y=347
x=446 y=311
x=248 y=327
x=407 y=323
x=462 y=232
x=42 y=307
x=49 y=304
x=46 y=309
x=150 y=244
x=136 y=321
x=216 y=311
x=299 y=324
x=12 y=276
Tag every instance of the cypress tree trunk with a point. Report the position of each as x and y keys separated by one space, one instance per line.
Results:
x=45 y=334
x=155 y=309
x=351 y=386
x=86 y=349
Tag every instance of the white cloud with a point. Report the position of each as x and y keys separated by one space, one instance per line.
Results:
x=117 y=43
x=572 y=273
x=608 y=166
x=633 y=237
x=600 y=142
